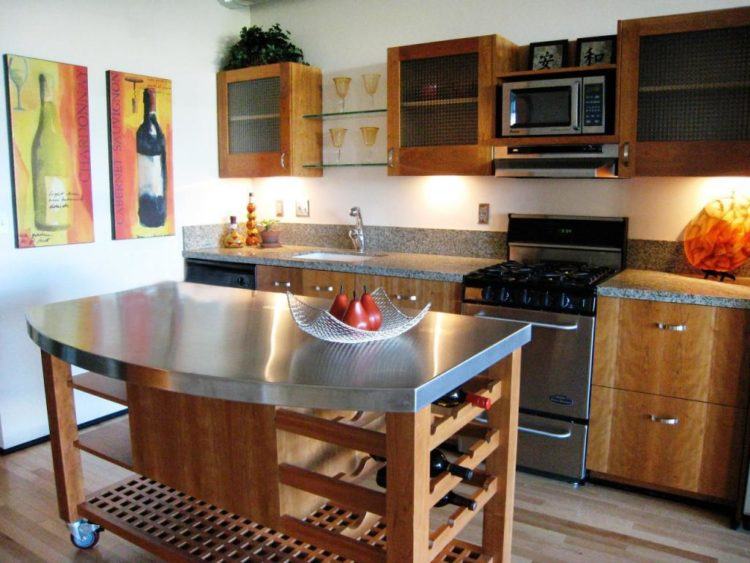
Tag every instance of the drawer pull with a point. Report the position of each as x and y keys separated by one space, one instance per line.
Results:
x=675 y=328
x=668 y=420
x=282 y=284
x=400 y=297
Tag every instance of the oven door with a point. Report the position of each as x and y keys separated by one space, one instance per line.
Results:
x=541 y=107
x=556 y=364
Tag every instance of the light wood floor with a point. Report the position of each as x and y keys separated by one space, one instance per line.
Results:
x=553 y=521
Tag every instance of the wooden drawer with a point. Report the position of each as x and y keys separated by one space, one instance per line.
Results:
x=278 y=279
x=322 y=283
x=675 y=350
x=413 y=293
x=698 y=453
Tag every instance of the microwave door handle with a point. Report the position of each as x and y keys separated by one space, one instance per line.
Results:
x=575 y=106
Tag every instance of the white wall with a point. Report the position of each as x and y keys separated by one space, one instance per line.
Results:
x=348 y=37
x=176 y=39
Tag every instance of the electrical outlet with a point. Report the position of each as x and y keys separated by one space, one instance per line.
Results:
x=483 y=215
x=302 y=208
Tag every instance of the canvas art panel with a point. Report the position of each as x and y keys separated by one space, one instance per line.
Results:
x=140 y=149
x=48 y=110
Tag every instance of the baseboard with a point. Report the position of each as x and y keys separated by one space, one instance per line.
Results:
x=43 y=439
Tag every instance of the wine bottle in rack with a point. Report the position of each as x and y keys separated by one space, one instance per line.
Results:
x=439 y=464
x=458 y=396
x=458 y=500
x=450 y=497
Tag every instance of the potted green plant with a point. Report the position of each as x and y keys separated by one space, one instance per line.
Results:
x=268 y=234
x=257 y=46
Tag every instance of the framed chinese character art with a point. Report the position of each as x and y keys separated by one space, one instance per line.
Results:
x=596 y=50
x=140 y=151
x=548 y=54
x=48 y=108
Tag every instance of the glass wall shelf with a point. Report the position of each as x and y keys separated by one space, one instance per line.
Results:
x=344 y=164
x=343 y=113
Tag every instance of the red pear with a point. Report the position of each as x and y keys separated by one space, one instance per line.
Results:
x=356 y=315
x=374 y=318
x=340 y=304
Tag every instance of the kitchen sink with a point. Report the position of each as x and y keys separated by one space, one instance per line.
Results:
x=335 y=256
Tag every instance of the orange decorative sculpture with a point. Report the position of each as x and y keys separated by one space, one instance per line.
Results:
x=253 y=237
x=717 y=240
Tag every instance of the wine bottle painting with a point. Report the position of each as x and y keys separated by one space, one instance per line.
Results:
x=48 y=108
x=140 y=135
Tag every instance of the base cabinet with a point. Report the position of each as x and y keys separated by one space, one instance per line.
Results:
x=674 y=444
x=404 y=292
x=669 y=401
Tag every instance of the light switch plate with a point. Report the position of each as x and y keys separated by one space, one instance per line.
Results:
x=483 y=215
x=279 y=208
x=302 y=208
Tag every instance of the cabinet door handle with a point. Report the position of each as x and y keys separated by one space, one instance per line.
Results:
x=329 y=289
x=675 y=328
x=390 y=158
x=283 y=160
x=282 y=284
x=668 y=420
x=400 y=297
x=626 y=153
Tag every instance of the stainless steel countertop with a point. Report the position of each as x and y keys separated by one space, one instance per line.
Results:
x=243 y=345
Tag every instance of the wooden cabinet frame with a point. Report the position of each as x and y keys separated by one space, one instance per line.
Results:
x=496 y=54
x=671 y=158
x=300 y=139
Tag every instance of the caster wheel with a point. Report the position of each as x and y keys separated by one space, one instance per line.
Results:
x=87 y=541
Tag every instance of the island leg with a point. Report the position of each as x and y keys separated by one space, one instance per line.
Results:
x=66 y=458
x=497 y=529
x=407 y=495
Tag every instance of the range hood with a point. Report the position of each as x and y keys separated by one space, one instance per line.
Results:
x=556 y=161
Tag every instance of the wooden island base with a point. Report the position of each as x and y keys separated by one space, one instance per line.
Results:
x=221 y=480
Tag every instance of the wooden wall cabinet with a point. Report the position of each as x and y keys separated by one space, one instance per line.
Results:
x=441 y=105
x=683 y=95
x=262 y=131
x=670 y=396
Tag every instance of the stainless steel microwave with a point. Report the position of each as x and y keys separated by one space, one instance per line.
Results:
x=559 y=106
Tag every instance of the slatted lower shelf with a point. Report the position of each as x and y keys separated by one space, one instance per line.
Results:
x=176 y=526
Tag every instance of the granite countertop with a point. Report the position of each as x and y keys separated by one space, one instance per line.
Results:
x=677 y=288
x=419 y=266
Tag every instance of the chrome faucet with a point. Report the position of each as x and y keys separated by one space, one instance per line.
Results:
x=357 y=234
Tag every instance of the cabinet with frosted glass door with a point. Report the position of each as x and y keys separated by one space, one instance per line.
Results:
x=684 y=93
x=441 y=105
x=261 y=128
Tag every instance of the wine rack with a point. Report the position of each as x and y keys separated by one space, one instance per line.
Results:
x=355 y=492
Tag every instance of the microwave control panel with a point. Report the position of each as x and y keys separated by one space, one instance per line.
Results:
x=593 y=105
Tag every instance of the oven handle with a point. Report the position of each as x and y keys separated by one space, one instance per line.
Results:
x=546 y=434
x=532 y=323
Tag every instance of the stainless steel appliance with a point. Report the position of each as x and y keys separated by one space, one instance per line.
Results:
x=555 y=264
x=557 y=161
x=561 y=106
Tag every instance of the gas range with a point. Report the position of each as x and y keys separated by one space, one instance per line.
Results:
x=549 y=281
x=565 y=287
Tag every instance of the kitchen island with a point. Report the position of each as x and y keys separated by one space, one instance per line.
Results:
x=251 y=439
